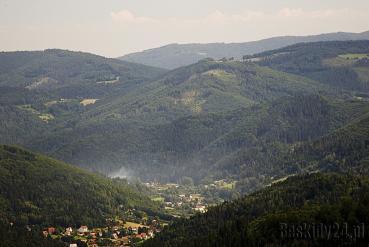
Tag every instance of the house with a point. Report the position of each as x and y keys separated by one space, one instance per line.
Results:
x=200 y=208
x=134 y=230
x=126 y=241
x=138 y=236
x=150 y=233
x=68 y=231
x=73 y=245
x=141 y=236
x=83 y=229
x=51 y=230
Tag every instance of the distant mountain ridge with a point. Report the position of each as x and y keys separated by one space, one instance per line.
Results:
x=176 y=55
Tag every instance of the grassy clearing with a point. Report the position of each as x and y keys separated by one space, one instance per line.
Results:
x=221 y=74
x=46 y=117
x=53 y=102
x=133 y=225
x=344 y=60
x=282 y=179
x=353 y=56
x=229 y=186
x=28 y=108
x=86 y=102
x=338 y=62
x=158 y=199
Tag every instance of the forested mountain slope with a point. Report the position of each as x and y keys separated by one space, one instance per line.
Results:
x=210 y=120
x=344 y=65
x=255 y=220
x=346 y=149
x=69 y=74
x=177 y=55
x=343 y=150
x=205 y=87
x=42 y=88
x=38 y=190
x=126 y=131
x=240 y=144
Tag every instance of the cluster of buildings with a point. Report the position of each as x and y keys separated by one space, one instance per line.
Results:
x=194 y=201
x=109 y=236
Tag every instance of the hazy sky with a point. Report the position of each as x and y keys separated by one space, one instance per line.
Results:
x=115 y=27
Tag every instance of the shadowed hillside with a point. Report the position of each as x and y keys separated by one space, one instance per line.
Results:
x=38 y=190
x=255 y=220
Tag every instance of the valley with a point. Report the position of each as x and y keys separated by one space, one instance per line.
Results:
x=101 y=152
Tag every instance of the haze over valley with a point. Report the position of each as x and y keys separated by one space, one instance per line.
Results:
x=191 y=143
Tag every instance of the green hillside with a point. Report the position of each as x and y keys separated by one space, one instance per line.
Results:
x=69 y=74
x=206 y=87
x=38 y=190
x=346 y=149
x=55 y=81
x=255 y=220
x=342 y=150
x=176 y=55
x=240 y=144
x=42 y=88
x=129 y=130
x=210 y=120
x=340 y=64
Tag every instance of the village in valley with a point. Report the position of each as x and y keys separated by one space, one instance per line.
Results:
x=116 y=233
x=177 y=200
x=186 y=199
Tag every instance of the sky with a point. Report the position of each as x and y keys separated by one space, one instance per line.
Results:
x=116 y=27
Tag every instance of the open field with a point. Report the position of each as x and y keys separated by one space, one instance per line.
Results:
x=158 y=199
x=353 y=56
x=86 y=102
x=344 y=60
x=46 y=117
x=133 y=225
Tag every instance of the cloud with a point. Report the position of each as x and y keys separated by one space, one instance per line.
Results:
x=212 y=18
x=219 y=16
x=126 y=16
x=320 y=13
x=288 y=12
x=249 y=16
